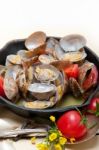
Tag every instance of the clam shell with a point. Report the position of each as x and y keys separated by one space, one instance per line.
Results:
x=46 y=59
x=75 y=56
x=73 y=42
x=14 y=59
x=83 y=70
x=39 y=104
x=59 y=52
x=50 y=46
x=10 y=85
x=75 y=87
x=46 y=73
x=35 y=40
x=42 y=91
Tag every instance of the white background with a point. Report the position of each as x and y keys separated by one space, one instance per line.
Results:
x=19 y=18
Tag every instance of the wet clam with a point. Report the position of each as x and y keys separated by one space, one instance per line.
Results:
x=42 y=91
x=74 y=56
x=72 y=43
x=10 y=84
x=39 y=104
x=35 y=40
x=46 y=73
x=14 y=59
x=83 y=71
x=50 y=46
x=46 y=59
x=75 y=87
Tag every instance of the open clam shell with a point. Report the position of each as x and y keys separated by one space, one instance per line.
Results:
x=46 y=73
x=74 y=56
x=75 y=87
x=46 y=59
x=73 y=42
x=42 y=91
x=14 y=59
x=50 y=46
x=83 y=70
x=35 y=40
x=10 y=84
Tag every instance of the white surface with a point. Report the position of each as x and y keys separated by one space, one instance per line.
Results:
x=19 y=18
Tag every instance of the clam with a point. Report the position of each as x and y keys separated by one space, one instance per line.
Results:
x=60 y=64
x=27 y=58
x=10 y=84
x=39 y=104
x=83 y=71
x=50 y=46
x=14 y=59
x=59 y=52
x=22 y=83
x=41 y=91
x=75 y=87
x=46 y=73
x=72 y=43
x=35 y=40
x=46 y=59
x=74 y=56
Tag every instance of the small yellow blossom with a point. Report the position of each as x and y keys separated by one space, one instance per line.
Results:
x=52 y=118
x=42 y=146
x=52 y=137
x=57 y=147
x=33 y=139
x=72 y=140
x=62 y=140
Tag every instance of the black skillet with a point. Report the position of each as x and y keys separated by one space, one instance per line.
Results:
x=11 y=48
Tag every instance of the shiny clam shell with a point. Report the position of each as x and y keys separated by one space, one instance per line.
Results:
x=83 y=70
x=73 y=42
x=35 y=40
x=46 y=73
x=75 y=87
x=10 y=85
x=42 y=91
x=74 y=56
x=14 y=59
x=46 y=59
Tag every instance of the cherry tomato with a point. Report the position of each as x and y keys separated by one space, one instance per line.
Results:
x=71 y=126
x=72 y=71
x=92 y=106
x=91 y=79
x=1 y=87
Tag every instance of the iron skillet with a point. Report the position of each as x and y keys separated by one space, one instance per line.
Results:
x=11 y=48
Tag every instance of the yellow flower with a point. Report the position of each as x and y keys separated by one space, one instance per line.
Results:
x=42 y=146
x=62 y=140
x=52 y=137
x=52 y=118
x=72 y=140
x=57 y=147
x=33 y=139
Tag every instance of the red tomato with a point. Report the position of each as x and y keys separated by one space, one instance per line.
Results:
x=71 y=126
x=91 y=79
x=1 y=87
x=72 y=71
x=92 y=105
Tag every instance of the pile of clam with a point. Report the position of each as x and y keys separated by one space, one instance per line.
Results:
x=36 y=75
